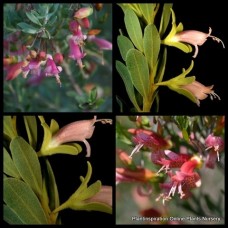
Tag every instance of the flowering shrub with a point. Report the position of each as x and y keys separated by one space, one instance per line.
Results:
x=45 y=171
x=68 y=42
x=170 y=170
x=153 y=43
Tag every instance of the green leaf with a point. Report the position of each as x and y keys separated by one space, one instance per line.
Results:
x=133 y=28
x=54 y=126
x=47 y=137
x=63 y=149
x=96 y=207
x=138 y=69
x=93 y=95
x=31 y=128
x=151 y=45
x=52 y=21
x=28 y=28
x=124 y=45
x=90 y=191
x=9 y=167
x=51 y=186
x=9 y=128
x=27 y=163
x=161 y=66
x=120 y=103
x=20 y=198
x=126 y=77
x=10 y=216
x=166 y=12
x=31 y=16
x=185 y=134
x=148 y=12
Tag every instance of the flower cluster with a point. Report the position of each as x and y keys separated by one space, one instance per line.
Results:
x=78 y=37
x=41 y=62
x=180 y=169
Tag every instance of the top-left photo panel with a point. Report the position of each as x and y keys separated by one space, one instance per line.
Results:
x=57 y=57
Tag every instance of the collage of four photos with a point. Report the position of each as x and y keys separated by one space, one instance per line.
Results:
x=114 y=113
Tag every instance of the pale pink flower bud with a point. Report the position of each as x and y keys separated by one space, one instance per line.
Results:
x=83 y=12
x=195 y=38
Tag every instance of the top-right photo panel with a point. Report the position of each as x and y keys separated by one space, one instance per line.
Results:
x=169 y=58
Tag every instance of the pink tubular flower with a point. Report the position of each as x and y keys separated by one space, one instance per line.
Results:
x=195 y=38
x=138 y=175
x=199 y=91
x=52 y=70
x=183 y=181
x=33 y=66
x=174 y=161
x=76 y=51
x=149 y=139
x=101 y=43
x=215 y=144
x=13 y=70
x=76 y=131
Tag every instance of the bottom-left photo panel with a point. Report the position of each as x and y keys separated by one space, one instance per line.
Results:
x=58 y=169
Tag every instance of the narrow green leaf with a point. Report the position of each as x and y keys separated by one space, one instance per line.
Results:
x=8 y=166
x=126 y=77
x=120 y=103
x=64 y=149
x=185 y=134
x=47 y=136
x=52 y=21
x=54 y=126
x=9 y=129
x=51 y=187
x=10 y=216
x=148 y=12
x=124 y=45
x=133 y=28
x=31 y=128
x=165 y=18
x=27 y=28
x=139 y=71
x=20 y=198
x=27 y=163
x=161 y=66
x=90 y=191
x=151 y=45
x=94 y=207
x=31 y=16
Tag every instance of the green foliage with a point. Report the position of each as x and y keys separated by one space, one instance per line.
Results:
x=30 y=191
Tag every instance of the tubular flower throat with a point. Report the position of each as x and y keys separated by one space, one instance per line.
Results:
x=77 y=131
x=215 y=145
x=149 y=139
x=183 y=181
x=200 y=92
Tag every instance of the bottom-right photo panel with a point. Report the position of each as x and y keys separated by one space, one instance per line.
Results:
x=170 y=170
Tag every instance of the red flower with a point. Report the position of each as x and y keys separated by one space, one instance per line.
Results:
x=215 y=144
x=183 y=181
x=149 y=139
x=174 y=161
x=138 y=175
x=14 y=70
